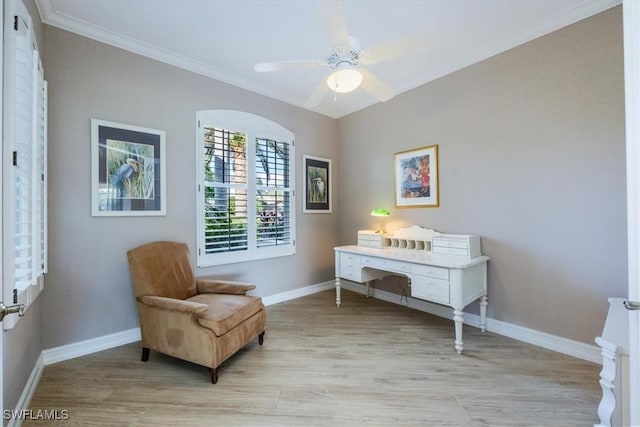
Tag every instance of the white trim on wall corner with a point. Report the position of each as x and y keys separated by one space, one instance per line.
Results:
x=590 y=353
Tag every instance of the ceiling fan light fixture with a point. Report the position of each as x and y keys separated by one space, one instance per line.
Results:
x=344 y=79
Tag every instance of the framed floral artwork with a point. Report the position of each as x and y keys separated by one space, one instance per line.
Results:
x=416 y=178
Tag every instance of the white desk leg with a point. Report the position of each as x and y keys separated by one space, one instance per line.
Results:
x=368 y=283
x=337 y=291
x=608 y=374
x=459 y=320
x=483 y=313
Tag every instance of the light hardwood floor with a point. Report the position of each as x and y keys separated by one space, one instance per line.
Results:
x=368 y=362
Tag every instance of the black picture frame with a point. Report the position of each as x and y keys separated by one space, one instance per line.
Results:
x=317 y=184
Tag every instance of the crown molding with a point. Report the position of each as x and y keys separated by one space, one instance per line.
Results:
x=51 y=16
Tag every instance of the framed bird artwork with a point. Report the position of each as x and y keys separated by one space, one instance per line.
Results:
x=128 y=170
x=317 y=184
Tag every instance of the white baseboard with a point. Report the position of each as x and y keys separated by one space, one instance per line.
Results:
x=577 y=349
x=82 y=348
x=297 y=293
x=566 y=346
x=541 y=339
x=27 y=392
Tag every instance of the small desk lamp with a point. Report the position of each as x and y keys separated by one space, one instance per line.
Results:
x=381 y=213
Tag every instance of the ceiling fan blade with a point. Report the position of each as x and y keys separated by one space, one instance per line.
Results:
x=288 y=65
x=332 y=16
x=316 y=96
x=375 y=87
x=404 y=46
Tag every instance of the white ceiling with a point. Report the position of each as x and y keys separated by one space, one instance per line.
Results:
x=224 y=39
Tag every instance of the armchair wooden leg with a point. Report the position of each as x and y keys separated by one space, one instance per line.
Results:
x=214 y=375
x=261 y=338
x=145 y=354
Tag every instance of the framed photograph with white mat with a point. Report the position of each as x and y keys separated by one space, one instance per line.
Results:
x=127 y=170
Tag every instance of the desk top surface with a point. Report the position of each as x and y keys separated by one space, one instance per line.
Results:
x=414 y=256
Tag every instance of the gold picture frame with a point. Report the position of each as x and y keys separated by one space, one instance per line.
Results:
x=416 y=178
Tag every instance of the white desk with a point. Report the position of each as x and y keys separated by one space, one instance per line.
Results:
x=446 y=280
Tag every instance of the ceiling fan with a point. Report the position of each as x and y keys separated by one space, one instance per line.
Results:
x=346 y=60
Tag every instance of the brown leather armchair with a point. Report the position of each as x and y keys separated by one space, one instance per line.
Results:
x=201 y=320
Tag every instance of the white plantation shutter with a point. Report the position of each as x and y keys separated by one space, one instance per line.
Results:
x=39 y=176
x=245 y=188
x=225 y=196
x=273 y=193
x=24 y=157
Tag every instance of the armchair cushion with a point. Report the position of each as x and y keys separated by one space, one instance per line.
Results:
x=224 y=312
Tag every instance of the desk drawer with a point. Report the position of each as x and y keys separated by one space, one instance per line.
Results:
x=467 y=246
x=447 y=250
x=350 y=267
x=430 y=289
x=371 y=239
x=386 y=264
x=431 y=271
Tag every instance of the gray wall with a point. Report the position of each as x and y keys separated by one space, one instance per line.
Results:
x=88 y=290
x=22 y=344
x=532 y=159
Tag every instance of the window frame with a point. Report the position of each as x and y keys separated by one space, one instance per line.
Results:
x=253 y=126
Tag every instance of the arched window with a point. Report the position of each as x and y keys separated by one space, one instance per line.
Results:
x=246 y=208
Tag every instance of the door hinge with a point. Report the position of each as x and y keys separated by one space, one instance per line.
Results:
x=15 y=22
x=15 y=158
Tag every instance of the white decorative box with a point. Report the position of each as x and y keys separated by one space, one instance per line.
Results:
x=461 y=245
x=372 y=239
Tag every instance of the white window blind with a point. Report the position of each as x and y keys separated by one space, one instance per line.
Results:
x=245 y=193
x=24 y=157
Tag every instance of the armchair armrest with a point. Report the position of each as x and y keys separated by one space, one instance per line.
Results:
x=173 y=304
x=214 y=286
